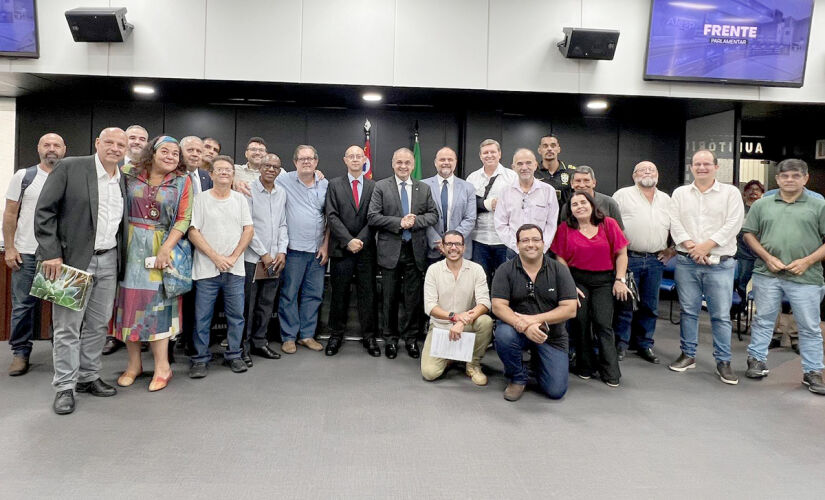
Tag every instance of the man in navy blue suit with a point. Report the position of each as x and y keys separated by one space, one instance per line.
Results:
x=456 y=202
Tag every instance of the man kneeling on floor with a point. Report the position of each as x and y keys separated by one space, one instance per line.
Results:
x=456 y=299
x=533 y=297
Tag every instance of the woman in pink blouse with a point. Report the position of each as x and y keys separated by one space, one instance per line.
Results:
x=595 y=249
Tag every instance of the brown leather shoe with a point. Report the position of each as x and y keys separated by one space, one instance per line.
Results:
x=476 y=375
x=311 y=344
x=19 y=366
x=513 y=392
x=289 y=347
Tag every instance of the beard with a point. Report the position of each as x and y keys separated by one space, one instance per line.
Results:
x=647 y=182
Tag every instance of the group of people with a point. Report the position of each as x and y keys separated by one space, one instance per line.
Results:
x=515 y=255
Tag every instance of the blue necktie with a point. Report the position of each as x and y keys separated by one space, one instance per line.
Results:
x=444 y=204
x=406 y=235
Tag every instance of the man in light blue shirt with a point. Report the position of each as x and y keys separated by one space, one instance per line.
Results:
x=268 y=249
x=307 y=252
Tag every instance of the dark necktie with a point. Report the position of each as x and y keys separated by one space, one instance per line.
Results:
x=406 y=235
x=355 y=192
x=445 y=209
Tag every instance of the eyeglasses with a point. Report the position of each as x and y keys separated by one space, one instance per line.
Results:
x=270 y=167
x=645 y=169
x=453 y=244
x=525 y=241
x=224 y=170
x=304 y=159
x=257 y=150
x=354 y=157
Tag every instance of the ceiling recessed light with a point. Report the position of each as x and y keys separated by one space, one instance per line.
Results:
x=143 y=89
x=597 y=104
x=372 y=97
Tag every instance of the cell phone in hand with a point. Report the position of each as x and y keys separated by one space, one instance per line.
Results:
x=149 y=263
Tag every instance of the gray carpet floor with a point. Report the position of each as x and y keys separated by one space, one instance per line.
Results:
x=352 y=426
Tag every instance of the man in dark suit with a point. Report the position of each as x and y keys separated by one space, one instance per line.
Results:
x=352 y=252
x=81 y=222
x=401 y=210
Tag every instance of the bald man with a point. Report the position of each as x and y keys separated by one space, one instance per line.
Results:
x=18 y=233
x=81 y=222
x=644 y=210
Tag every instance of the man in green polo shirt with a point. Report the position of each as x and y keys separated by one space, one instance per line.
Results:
x=786 y=232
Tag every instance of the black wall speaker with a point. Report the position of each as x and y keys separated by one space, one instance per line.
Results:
x=99 y=24
x=582 y=43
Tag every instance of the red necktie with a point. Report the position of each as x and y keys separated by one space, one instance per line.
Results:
x=355 y=192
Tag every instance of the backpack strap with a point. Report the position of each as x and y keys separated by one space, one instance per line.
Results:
x=28 y=178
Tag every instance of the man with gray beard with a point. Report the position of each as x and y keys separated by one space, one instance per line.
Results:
x=646 y=224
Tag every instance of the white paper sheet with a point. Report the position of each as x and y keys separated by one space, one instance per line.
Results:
x=459 y=350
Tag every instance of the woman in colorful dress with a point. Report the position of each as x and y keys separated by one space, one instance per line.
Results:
x=593 y=246
x=159 y=197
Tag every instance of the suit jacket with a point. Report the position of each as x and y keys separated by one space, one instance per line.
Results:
x=206 y=179
x=385 y=216
x=344 y=220
x=462 y=218
x=65 y=222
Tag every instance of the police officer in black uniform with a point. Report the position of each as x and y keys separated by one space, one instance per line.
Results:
x=552 y=170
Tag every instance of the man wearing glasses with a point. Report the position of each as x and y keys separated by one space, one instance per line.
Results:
x=306 y=257
x=647 y=224
x=352 y=252
x=251 y=170
x=533 y=296
x=528 y=201
x=456 y=299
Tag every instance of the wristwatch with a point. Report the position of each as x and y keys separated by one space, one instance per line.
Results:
x=623 y=280
x=451 y=317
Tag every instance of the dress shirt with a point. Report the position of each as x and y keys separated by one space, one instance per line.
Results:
x=450 y=183
x=646 y=224
x=268 y=210
x=454 y=294
x=539 y=206
x=408 y=187
x=304 y=211
x=109 y=207
x=485 y=231
x=196 y=181
x=246 y=174
x=716 y=214
x=360 y=180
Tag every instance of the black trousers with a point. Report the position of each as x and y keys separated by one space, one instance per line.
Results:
x=259 y=299
x=361 y=268
x=596 y=314
x=406 y=280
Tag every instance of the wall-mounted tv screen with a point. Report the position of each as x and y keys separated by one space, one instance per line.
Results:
x=18 y=28
x=756 y=42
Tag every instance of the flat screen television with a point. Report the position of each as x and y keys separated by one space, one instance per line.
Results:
x=755 y=42
x=18 y=29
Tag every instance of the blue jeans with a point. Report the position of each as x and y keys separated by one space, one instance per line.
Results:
x=302 y=273
x=206 y=293
x=641 y=325
x=715 y=284
x=489 y=257
x=23 y=307
x=553 y=363
x=804 y=299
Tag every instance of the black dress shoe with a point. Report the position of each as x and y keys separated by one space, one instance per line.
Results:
x=97 y=388
x=265 y=352
x=64 y=402
x=648 y=355
x=391 y=350
x=198 y=370
x=372 y=348
x=246 y=359
x=412 y=350
x=112 y=345
x=332 y=346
